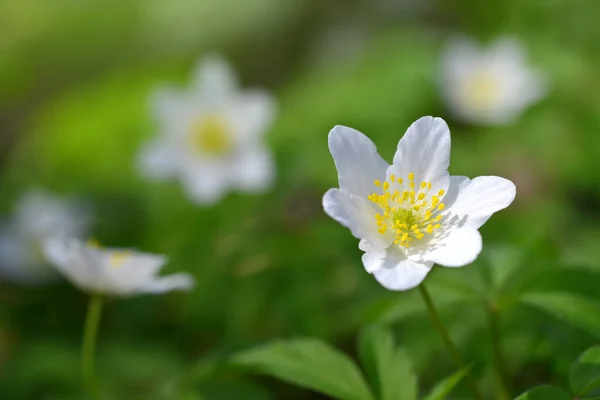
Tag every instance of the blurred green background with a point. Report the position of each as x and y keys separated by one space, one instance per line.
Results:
x=75 y=81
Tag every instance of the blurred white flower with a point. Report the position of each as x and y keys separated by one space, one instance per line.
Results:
x=37 y=215
x=488 y=86
x=411 y=214
x=118 y=272
x=211 y=136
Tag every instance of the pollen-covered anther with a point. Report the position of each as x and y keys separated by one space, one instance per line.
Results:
x=407 y=209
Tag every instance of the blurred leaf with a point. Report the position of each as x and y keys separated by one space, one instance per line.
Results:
x=544 y=393
x=387 y=366
x=233 y=390
x=445 y=295
x=310 y=363
x=585 y=372
x=572 y=308
x=504 y=262
x=444 y=387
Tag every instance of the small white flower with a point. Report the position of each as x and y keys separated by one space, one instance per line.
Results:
x=118 y=272
x=488 y=86
x=37 y=215
x=210 y=137
x=411 y=214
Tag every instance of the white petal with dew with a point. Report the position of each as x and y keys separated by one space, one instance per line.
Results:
x=357 y=161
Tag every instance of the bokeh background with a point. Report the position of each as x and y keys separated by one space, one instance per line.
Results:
x=75 y=83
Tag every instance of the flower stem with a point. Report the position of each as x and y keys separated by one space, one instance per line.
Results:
x=90 y=333
x=497 y=352
x=446 y=338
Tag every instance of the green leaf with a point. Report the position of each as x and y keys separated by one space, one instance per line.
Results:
x=388 y=368
x=444 y=387
x=585 y=372
x=310 y=363
x=577 y=310
x=544 y=393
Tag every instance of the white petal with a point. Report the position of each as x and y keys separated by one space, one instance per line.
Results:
x=158 y=159
x=169 y=283
x=253 y=170
x=357 y=161
x=78 y=262
x=459 y=248
x=19 y=262
x=425 y=151
x=167 y=103
x=399 y=273
x=505 y=50
x=144 y=264
x=40 y=214
x=214 y=77
x=481 y=197
x=57 y=252
x=355 y=214
x=460 y=57
x=251 y=114
x=373 y=257
x=126 y=271
x=205 y=183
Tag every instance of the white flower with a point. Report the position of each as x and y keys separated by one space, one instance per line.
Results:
x=37 y=215
x=118 y=272
x=211 y=136
x=488 y=86
x=411 y=214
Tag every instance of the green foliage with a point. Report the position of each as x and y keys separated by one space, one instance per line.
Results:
x=585 y=372
x=313 y=364
x=74 y=94
x=310 y=363
x=572 y=308
x=444 y=387
x=387 y=366
x=544 y=393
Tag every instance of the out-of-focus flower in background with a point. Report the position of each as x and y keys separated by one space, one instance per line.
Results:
x=411 y=214
x=489 y=86
x=211 y=136
x=37 y=215
x=118 y=272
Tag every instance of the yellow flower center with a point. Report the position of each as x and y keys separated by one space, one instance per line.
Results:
x=410 y=214
x=211 y=135
x=481 y=90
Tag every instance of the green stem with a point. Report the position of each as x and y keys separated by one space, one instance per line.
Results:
x=498 y=355
x=92 y=321
x=446 y=338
